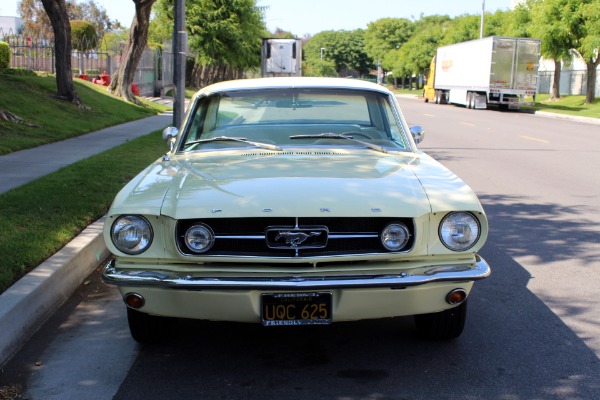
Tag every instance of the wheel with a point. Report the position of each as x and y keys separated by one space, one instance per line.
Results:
x=436 y=97
x=443 y=325
x=146 y=328
x=469 y=100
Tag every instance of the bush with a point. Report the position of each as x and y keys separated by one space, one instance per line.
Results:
x=83 y=35
x=4 y=55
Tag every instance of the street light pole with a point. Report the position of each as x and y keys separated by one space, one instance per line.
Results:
x=179 y=54
x=482 y=19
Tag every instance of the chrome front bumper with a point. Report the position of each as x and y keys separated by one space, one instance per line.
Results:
x=415 y=277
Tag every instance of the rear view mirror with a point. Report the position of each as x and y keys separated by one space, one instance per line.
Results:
x=418 y=133
x=169 y=135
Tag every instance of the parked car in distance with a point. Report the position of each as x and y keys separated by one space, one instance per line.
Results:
x=295 y=201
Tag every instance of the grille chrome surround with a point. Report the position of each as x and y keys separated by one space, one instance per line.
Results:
x=256 y=237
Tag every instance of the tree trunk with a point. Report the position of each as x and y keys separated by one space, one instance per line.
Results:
x=590 y=89
x=59 y=18
x=555 y=94
x=122 y=79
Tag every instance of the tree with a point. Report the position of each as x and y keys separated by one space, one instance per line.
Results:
x=35 y=18
x=461 y=29
x=226 y=37
x=550 y=25
x=386 y=34
x=83 y=35
x=344 y=48
x=59 y=18
x=282 y=34
x=122 y=79
x=415 y=54
x=589 y=45
x=92 y=13
x=318 y=67
x=518 y=21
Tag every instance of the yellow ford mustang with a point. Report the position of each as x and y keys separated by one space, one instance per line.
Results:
x=295 y=201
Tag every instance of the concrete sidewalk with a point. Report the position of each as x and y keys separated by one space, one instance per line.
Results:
x=27 y=304
x=24 y=166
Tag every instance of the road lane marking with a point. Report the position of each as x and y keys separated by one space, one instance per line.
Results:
x=429 y=115
x=535 y=139
x=468 y=124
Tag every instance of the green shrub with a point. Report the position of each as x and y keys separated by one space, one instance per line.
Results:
x=4 y=55
x=83 y=35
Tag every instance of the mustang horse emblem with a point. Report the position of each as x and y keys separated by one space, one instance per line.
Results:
x=295 y=239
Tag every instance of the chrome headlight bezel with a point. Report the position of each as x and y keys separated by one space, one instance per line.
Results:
x=395 y=236
x=131 y=234
x=459 y=231
x=208 y=239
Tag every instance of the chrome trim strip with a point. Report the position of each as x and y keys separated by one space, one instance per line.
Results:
x=174 y=280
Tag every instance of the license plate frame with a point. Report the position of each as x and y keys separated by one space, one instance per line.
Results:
x=285 y=309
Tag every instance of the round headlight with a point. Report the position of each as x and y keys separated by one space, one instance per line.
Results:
x=199 y=238
x=459 y=231
x=131 y=234
x=394 y=236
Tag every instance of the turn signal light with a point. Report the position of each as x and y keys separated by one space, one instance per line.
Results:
x=456 y=296
x=134 y=300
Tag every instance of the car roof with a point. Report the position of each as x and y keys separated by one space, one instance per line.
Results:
x=293 y=82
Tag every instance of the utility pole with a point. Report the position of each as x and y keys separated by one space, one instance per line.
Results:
x=482 y=19
x=179 y=54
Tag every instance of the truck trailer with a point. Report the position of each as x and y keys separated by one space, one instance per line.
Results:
x=281 y=57
x=493 y=70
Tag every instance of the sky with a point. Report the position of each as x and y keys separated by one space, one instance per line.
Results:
x=313 y=16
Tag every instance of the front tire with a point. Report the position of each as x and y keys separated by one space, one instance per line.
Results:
x=146 y=328
x=443 y=325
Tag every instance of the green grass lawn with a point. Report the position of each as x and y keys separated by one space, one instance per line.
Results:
x=31 y=98
x=571 y=105
x=39 y=218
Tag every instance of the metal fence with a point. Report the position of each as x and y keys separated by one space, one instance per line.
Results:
x=37 y=54
x=572 y=82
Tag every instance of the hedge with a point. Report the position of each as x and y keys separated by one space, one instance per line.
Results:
x=4 y=55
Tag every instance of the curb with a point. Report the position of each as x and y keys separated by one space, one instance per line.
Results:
x=34 y=298
x=587 y=120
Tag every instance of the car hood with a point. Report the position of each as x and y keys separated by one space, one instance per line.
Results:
x=301 y=184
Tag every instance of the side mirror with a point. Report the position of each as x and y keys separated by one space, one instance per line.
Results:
x=169 y=135
x=418 y=133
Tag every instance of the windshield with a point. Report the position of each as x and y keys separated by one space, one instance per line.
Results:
x=294 y=117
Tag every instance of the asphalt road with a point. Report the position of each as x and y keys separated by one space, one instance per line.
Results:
x=533 y=329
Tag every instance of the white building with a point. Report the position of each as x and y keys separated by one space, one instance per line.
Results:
x=10 y=25
x=573 y=77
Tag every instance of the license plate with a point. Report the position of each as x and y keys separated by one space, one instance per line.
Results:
x=296 y=309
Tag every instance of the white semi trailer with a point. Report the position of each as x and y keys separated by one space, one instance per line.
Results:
x=281 y=57
x=492 y=70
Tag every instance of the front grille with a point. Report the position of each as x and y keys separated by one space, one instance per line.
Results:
x=248 y=237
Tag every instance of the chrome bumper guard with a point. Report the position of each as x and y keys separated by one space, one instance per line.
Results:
x=174 y=280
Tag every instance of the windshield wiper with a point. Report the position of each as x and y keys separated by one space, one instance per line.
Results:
x=347 y=136
x=267 y=146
